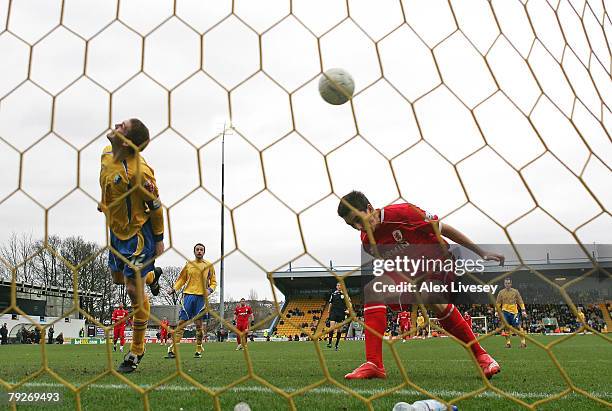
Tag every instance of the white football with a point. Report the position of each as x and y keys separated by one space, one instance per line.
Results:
x=242 y=406
x=336 y=86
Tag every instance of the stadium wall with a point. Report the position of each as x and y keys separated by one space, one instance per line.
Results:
x=70 y=329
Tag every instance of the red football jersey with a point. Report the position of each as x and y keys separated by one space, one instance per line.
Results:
x=404 y=317
x=243 y=313
x=118 y=315
x=403 y=223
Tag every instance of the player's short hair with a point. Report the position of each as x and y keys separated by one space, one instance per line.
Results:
x=507 y=279
x=199 y=244
x=353 y=200
x=242 y=299
x=138 y=134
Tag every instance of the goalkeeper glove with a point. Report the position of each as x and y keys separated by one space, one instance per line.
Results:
x=233 y=322
x=252 y=323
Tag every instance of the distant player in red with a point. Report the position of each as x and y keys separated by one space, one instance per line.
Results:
x=397 y=226
x=119 y=329
x=163 y=332
x=242 y=315
x=403 y=319
x=468 y=319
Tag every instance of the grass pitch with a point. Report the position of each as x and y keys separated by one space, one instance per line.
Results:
x=438 y=365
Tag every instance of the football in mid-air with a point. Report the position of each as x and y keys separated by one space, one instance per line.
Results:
x=336 y=86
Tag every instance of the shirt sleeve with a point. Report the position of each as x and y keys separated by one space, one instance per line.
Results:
x=415 y=218
x=519 y=300
x=212 y=278
x=151 y=194
x=182 y=278
x=499 y=298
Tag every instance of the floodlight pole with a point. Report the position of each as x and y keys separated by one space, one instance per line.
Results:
x=221 y=268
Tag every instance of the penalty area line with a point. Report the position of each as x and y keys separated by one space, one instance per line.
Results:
x=319 y=390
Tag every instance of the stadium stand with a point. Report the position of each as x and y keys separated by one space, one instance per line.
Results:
x=301 y=314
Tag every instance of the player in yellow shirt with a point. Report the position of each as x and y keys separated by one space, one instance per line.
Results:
x=134 y=215
x=582 y=319
x=420 y=325
x=198 y=277
x=508 y=300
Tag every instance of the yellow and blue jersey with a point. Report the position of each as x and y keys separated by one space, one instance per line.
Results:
x=510 y=299
x=130 y=196
x=199 y=275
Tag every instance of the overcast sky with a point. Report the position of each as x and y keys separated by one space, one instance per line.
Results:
x=481 y=127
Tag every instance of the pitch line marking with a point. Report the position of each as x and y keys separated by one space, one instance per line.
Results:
x=320 y=390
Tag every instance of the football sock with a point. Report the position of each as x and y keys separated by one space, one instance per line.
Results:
x=149 y=277
x=522 y=337
x=176 y=336
x=331 y=336
x=199 y=337
x=376 y=322
x=454 y=323
x=139 y=327
x=338 y=334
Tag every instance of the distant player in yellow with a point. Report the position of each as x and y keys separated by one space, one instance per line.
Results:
x=420 y=325
x=198 y=277
x=509 y=299
x=582 y=319
x=134 y=215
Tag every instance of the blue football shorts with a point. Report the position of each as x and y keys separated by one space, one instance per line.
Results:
x=192 y=306
x=139 y=249
x=512 y=319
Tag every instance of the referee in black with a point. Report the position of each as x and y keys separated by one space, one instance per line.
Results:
x=337 y=314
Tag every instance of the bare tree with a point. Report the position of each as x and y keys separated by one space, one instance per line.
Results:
x=5 y=273
x=48 y=269
x=16 y=252
x=166 y=282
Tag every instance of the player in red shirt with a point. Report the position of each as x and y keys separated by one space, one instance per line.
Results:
x=163 y=332
x=242 y=315
x=119 y=328
x=468 y=319
x=403 y=319
x=399 y=225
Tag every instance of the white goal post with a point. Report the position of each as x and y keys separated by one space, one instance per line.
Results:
x=477 y=325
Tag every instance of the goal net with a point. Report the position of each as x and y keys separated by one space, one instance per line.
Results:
x=494 y=114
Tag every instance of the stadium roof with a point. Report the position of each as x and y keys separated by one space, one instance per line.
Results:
x=23 y=287
x=321 y=278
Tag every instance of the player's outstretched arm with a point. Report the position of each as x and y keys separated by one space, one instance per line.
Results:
x=180 y=281
x=458 y=237
x=521 y=304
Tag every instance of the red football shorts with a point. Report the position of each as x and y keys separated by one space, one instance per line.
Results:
x=118 y=332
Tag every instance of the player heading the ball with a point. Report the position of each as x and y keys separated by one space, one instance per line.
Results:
x=135 y=217
x=407 y=224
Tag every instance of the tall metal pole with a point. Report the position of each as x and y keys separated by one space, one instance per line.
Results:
x=221 y=276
